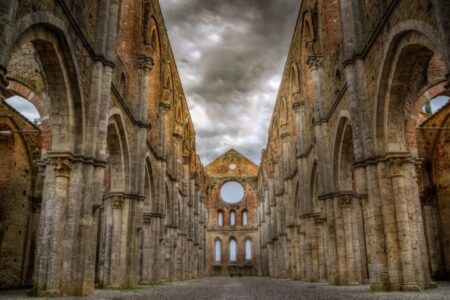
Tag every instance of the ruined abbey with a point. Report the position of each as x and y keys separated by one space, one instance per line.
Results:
x=107 y=190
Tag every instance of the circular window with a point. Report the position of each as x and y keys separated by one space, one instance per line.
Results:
x=232 y=192
x=232 y=166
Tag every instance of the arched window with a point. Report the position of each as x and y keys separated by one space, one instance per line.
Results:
x=233 y=250
x=232 y=218
x=25 y=108
x=219 y=218
x=244 y=218
x=248 y=250
x=218 y=251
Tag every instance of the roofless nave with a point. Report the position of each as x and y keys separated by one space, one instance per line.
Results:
x=108 y=190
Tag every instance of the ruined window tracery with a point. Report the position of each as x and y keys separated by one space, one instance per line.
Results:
x=220 y=218
x=248 y=249
x=233 y=250
x=218 y=250
x=244 y=218
x=232 y=218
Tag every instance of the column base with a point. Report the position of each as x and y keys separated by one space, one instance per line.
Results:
x=411 y=287
x=48 y=293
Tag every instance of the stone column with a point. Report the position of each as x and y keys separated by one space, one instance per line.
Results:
x=147 y=250
x=49 y=257
x=145 y=65
x=307 y=248
x=403 y=224
x=332 y=252
x=430 y=210
x=414 y=262
x=376 y=230
x=314 y=239
x=297 y=254
x=322 y=246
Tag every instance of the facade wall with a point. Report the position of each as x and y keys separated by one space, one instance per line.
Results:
x=338 y=186
x=118 y=159
x=219 y=173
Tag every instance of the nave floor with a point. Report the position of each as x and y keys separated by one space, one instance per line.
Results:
x=247 y=288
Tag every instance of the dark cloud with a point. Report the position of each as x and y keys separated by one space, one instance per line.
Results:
x=230 y=56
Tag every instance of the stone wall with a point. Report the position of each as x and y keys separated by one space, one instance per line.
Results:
x=232 y=166
x=338 y=185
x=118 y=158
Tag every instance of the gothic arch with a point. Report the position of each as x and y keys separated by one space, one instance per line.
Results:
x=118 y=154
x=314 y=188
x=41 y=105
x=149 y=186
x=156 y=73
x=403 y=85
x=343 y=158
x=49 y=37
x=307 y=50
x=218 y=250
x=284 y=112
x=294 y=80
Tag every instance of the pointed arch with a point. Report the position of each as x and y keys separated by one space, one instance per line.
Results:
x=314 y=189
x=118 y=154
x=284 y=112
x=156 y=73
x=232 y=217
x=344 y=157
x=294 y=80
x=149 y=186
x=248 y=249
x=403 y=78
x=218 y=250
x=220 y=218
x=244 y=217
x=50 y=39
x=232 y=248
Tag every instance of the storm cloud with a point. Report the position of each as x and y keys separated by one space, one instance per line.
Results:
x=230 y=56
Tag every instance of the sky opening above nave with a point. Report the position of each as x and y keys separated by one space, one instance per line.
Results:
x=230 y=56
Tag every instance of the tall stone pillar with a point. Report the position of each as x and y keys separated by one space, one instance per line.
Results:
x=430 y=208
x=322 y=246
x=409 y=225
x=49 y=257
x=332 y=251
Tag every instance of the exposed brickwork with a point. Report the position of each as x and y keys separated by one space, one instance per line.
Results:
x=219 y=172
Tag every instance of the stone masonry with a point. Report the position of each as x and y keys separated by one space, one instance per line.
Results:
x=108 y=190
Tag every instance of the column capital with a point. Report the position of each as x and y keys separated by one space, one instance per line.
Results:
x=396 y=166
x=62 y=166
x=117 y=202
x=315 y=62
x=145 y=62
x=186 y=157
x=345 y=201
x=297 y=105
x=285 y=133
x=164 y=105
x=147 y=218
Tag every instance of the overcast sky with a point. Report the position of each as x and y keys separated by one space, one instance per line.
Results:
x=230 y=55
